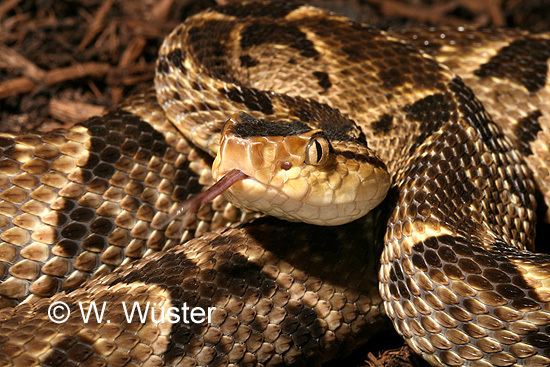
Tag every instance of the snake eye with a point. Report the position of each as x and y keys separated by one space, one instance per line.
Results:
x=317 y=150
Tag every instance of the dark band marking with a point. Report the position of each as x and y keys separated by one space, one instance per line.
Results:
x=249 y=126
x=488 y=267
x=176 y=57
x=526 y=131
x=524 y=61
x=323 y=79
x=94 y=243
x=432 y=111
x=207 y=106
x=207 y=45
x=247 y=61
x=474 y=113
x=252 y=98
x=162 y=66
x=383 y=125
x=406 y=59
x=361 y=157
x=392 y=78
x=271 y=33
x=4 y=142
x=334 y=124
x=275 y=9
x=231 y=267
x=543 y=228
x=355 y=53
x=407 y=62
x=196 y=85
x=67 y=248
x=493 y=139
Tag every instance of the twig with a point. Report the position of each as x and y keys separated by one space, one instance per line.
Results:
x=72 y=111
x=6 y=6
x=97 y=24
x=24 y=84
x=16 y=86
x=130 y=54
x=391 y=357
x=432 y=13
x=489 y=7
x=9 y=58
x=76 y=71
x=132 y=51
x=161 y=10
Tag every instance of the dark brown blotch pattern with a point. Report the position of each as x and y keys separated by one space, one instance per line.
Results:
x=524 y=61
x=247 y=125
x=177 y=58
x=248 y=61
x=396 y=64
x=482 y=290
x=96 y=209
x=206 y=45
x=475 y=114
x=334 y=124
x=526 y=130
x=260 y=33
x=434 y=109
x=392 y=77
x=323 y=79
x=162 y=66
x=383 y=125
x=254 y=99
x=432 y=112
x=259 y=304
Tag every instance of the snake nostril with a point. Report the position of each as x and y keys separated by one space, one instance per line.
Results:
x=286 y=165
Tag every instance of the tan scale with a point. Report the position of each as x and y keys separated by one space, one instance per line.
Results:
x=500 y=97
x=49 y=200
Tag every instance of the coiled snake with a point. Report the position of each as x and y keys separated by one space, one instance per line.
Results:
x=456 y=275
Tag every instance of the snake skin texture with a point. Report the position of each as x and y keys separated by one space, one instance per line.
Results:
x=488 y=63
x=78 y=203
x=446 y=256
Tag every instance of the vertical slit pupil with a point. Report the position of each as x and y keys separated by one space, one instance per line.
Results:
x=319 y=150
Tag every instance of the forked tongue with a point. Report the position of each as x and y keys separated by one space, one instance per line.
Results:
x=193 y=204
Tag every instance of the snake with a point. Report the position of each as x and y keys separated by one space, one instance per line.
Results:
x=448 y=127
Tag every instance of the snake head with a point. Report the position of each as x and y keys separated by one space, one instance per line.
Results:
x=297 y=173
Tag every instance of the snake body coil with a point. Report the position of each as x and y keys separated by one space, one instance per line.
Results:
x=456 y=277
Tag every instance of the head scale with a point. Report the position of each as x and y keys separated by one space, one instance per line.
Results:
x=296 y=173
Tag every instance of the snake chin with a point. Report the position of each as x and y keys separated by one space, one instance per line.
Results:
x=284 y=202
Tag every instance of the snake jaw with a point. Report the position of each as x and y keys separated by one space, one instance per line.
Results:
x=298 y=176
